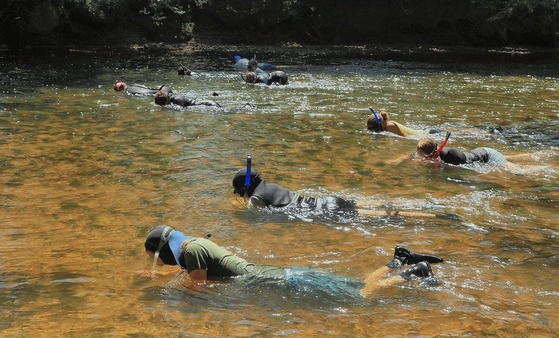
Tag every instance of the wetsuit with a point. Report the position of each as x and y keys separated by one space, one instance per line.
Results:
x=201 y=253
x=266 y=195
x=478 y=155
x=414 y=132
x=184 y=101
x=277 y=77
x=242 y=64
x=141 y=90
x=274 y=77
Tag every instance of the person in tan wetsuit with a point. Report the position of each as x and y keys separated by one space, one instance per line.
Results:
x=381 y=122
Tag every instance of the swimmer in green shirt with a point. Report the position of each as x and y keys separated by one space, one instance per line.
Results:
x=204 y=260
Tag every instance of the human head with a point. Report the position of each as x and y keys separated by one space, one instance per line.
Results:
x=119 y=85
x=250 y=77
x=372 y=122
x=157 y=242
x=426 y=146
x=237 y=58
x=239 y=182
x=184 y=71
x=252 y=65
x=162 y=97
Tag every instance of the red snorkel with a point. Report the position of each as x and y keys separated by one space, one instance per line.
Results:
x=437 y=152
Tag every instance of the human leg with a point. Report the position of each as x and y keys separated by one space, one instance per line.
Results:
x=387 y=275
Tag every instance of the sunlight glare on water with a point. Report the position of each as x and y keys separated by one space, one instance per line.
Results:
x=86 y=172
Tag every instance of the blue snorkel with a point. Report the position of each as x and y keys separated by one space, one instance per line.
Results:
x=378 y=126
x=247 y=179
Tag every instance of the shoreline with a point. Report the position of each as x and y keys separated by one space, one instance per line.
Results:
x=395 y=52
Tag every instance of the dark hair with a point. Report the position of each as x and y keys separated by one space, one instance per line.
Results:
x=239 y=182
x=152 y=243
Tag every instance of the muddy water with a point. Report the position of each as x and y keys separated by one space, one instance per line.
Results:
x=86 y=172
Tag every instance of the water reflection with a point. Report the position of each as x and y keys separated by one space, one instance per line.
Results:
x=86 y=172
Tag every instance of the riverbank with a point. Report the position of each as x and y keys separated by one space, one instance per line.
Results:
x=396 y=52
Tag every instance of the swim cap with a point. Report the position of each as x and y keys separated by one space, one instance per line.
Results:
x=239 y=182
x=153 y=243
x=237 y=58
x=118 y=86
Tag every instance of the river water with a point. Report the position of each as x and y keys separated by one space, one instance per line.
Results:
x=86 y=172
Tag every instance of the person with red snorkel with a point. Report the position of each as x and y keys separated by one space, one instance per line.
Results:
x=138 y=89
x=427 y=148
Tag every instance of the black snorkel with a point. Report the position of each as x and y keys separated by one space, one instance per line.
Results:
x=435 y=153
x=378 y=126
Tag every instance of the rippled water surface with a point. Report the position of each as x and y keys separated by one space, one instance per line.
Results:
x=86 y=172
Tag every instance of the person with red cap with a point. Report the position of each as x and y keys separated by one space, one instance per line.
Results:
x=138 y=89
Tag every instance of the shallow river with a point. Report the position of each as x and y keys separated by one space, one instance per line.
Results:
x=86 y=172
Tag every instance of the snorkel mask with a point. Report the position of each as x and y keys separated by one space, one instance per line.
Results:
x=378 y=126
x=164 y=239
x=437 y=152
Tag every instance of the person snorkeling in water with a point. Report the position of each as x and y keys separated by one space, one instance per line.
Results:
x=264 y=195
x=381 y=122
x=204 y=261
x=428 y=148
x=138 y=89
x=278 y=77
x=182 y=70
x=162 y=98
x=251 y=65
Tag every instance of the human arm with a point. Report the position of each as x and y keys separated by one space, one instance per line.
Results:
x=256 y=201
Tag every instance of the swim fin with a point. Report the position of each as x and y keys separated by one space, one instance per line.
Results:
x=403 y=256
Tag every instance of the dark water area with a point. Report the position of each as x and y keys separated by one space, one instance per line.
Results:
x=87 y=171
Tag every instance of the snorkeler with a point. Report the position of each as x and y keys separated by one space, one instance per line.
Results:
x=138 y=89
x=162 y=98
x=204 y=260
x=245 y=64
x=380 y=122
x=182 y=70
x=428 y=148
x=274 y=77
x=264 y=195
